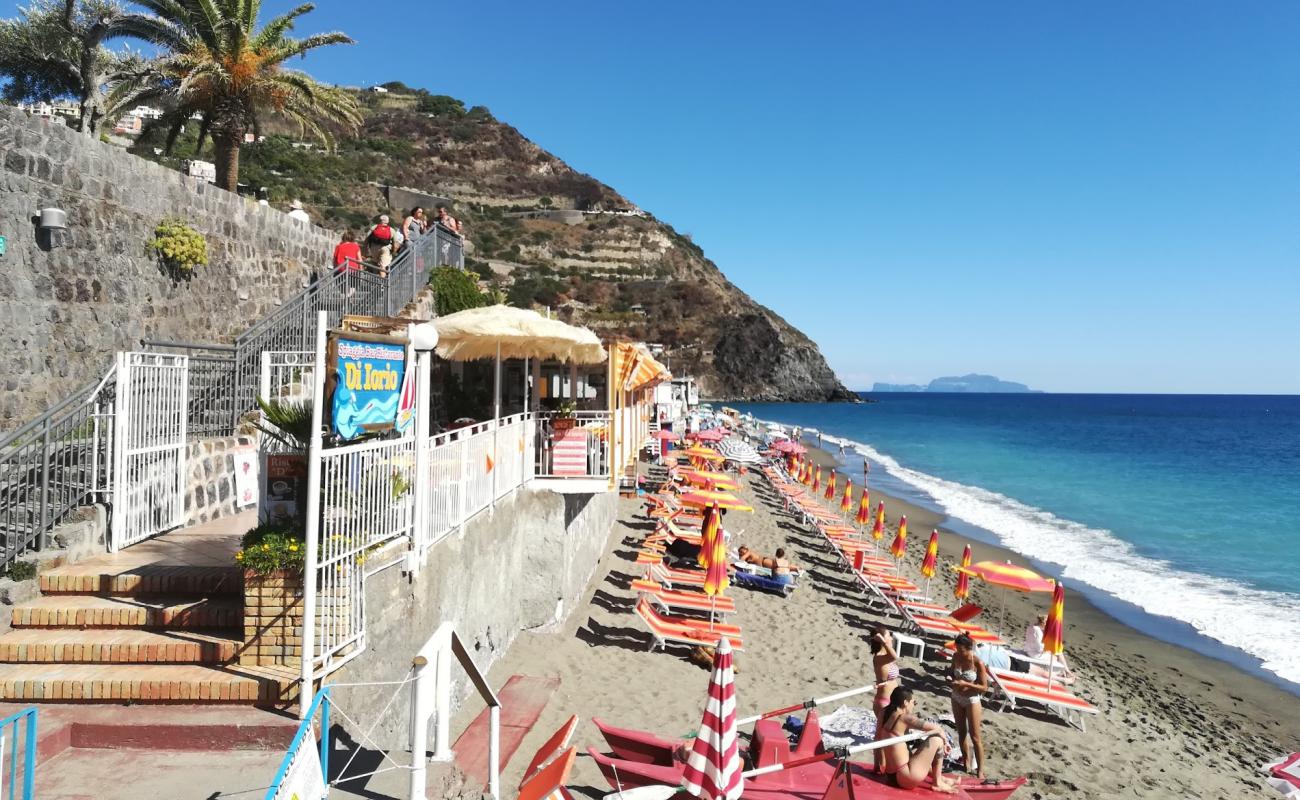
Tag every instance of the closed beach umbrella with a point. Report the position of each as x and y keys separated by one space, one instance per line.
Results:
x=899 y=547
x=817 y=480
x=830 y=487
x=715 y=572
x=864 y=508
x=1054 y=630
x=878 y=530
x=880 y=514
x=962 y=589
x=931 y=560
x=708 y=530
x=713 y=767
x=846 y=502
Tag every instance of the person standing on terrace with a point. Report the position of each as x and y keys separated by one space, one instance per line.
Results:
x=415 y=224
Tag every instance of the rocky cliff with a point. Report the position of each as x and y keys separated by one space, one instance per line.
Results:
x=548 y=236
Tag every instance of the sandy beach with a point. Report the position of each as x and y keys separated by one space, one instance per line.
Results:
x=1173 y=723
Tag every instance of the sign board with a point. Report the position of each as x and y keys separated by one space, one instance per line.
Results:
x=245 y=459
x=3 y=242
x=370 y=388
x=284 y=481
x=304 y=779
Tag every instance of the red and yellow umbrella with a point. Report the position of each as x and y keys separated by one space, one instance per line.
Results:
x=931 y=560
x=1054 y=630
x=830 y=487
x=710 y=480
x=1009 y=576
x=703 y=498
x=962 y=589
x=708 y=532
x=715 y=572
x=899 y=547
x=864 y=508
x=878 y=530
x=704 y=453
x=817 y=480
x=846 y=501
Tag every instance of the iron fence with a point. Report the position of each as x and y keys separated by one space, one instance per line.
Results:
x=55 y=464
x=211 y=410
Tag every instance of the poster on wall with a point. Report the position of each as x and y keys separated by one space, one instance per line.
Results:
x=284 y=481
x=245 y=476
x=368 y=374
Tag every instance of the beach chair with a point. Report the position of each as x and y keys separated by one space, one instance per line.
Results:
x=550 y=749
x=674 y=601
x=681 y=630
x=548 y=782
x=753 y=580
x=1018 y=687
x=671 y=578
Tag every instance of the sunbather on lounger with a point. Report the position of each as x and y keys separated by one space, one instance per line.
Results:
x=1034 y=648
x=904 y=767
x=782 y=569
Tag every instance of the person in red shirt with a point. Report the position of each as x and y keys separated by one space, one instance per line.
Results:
x=347 y=254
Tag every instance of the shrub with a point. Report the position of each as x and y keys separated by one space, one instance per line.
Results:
x=273 y=546
x=455 y=290
x=179 y=247
x=21 y=571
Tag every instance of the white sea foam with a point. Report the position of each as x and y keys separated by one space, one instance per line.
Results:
x=1265 y=624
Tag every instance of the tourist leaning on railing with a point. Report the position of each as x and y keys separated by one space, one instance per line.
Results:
x=347 y=253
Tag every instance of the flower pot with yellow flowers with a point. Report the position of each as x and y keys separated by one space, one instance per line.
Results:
x=272 y=557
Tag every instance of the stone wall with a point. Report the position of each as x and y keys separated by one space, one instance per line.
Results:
x=68 y=309
x=524 y=567
x=210 y=479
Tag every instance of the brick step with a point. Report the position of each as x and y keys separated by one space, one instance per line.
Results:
x=155 y=579
x=146 y=683
x=117 y=646
x=92 y=611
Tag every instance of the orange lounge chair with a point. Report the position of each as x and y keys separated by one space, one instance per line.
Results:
x=672 y=600
x=674 y=578
x=548 y=783
x=680 y=630
x=1019 y=687
x=551 y=749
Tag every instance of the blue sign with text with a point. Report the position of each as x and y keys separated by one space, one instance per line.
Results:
x=370 y=386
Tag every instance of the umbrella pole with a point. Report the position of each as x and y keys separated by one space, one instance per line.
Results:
x=1002 y=616
x=927 y=588
x=1051 y=668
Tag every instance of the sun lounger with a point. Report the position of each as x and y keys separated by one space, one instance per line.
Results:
x=548 y=783
x=550 y=749
x=681 y=630
x=1017 y=687
x=672 y=578
x=673 y=601
x=751 y=580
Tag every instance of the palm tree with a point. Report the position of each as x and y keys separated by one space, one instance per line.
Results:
x=55 y=48
x=219 y=66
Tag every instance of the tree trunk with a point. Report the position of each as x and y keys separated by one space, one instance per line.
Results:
x=227 y=143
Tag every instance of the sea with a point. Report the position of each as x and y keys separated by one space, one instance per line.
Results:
x=1177 y=514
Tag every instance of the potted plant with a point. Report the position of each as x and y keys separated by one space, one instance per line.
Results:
x=565 y=416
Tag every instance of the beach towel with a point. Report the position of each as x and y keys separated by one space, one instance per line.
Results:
x=848 y=726
x=1284 y=775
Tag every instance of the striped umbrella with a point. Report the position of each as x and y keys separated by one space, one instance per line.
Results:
x=708 y=531
x=713 y=768
x=864 y=508
x=931 y=560
x=962 y=589
x=846 y=501
x=1009 y=576
x=703 y=498
x=715 y=571
x=880 y=514
x=817 y=480
x=830 y=487
x=1054 y=630
x=899 y=547
x=878 y=530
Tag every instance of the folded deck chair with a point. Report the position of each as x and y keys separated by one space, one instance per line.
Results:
x=550 y=749
x=681 y=630
x=1019 y=687
x=673 y=601
x=548 y=783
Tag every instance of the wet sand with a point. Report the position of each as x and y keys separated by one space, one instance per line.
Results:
x=1173 y=723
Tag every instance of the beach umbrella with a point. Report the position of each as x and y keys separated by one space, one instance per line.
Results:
x=864 y=508
x=930 y=560
x=878 y=530
x=899 y=547
x=715 y=480
x=962 y=589
x=1054 y=630
x=713 y=768
x=708 y=530
x=704 y=454
x=880 y=515
x=1006 y=575
x=817 y=481
x=715 y=572
x=703 y=498
x=830 y=487
x=846 y=501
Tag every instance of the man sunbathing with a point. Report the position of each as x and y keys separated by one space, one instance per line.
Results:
x=781 y=568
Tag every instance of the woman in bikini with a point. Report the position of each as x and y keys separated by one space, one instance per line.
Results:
x=884 y=662
x=904 y=768
x=969 y=680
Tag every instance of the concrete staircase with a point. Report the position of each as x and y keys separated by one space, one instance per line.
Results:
x=153 y=633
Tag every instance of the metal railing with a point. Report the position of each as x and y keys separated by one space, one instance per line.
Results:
x=54 y=465
x=211 y=408
x=576 y=449
x=18 y=764
x=287 y=375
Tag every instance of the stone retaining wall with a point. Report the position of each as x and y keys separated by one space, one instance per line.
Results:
x=210 y=479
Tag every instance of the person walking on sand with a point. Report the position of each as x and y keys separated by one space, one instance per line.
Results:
x=969 y=679
x=904 y=768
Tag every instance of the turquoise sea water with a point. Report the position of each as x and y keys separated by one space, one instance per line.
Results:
x=1177 y=513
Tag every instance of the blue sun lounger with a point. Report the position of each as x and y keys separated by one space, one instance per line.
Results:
x=763 y=583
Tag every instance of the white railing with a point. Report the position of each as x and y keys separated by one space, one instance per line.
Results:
x=287 y=375
x=578 y=449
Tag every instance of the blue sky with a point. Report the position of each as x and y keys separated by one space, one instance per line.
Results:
x=1082 y=197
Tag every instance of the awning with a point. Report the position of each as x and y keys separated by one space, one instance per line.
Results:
x=635 y=368
x=510 y=332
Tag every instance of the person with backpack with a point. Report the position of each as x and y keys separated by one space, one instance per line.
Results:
x=379 y=237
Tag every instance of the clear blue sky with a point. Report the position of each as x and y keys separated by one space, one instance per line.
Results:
x=1082 y=197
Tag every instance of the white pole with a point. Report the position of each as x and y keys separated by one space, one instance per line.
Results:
x=442 y=702
x=1051 y=668
x=852 y=751
x=494 y=752
x=310 y=574
x=423 y=432
x=496 y=423
x=419 y=726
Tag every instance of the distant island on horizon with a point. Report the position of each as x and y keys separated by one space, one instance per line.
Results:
x=972 y=384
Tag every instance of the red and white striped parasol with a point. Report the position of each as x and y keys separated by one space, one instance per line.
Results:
x=713 y=767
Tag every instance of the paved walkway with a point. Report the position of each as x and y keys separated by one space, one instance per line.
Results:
x=212 y=544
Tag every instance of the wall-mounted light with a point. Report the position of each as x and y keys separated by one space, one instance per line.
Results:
x=54 y=226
